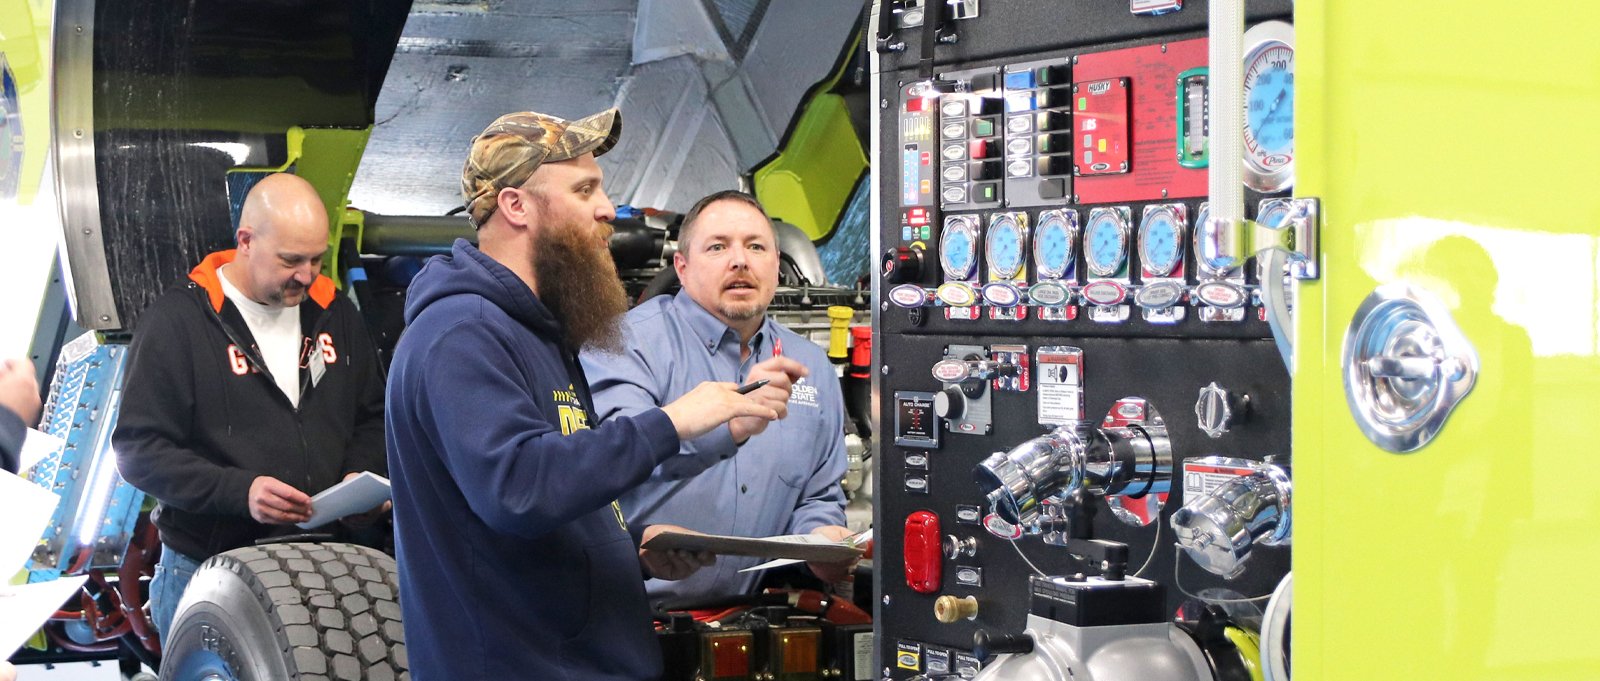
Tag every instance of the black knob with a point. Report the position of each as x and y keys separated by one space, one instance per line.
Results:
x=903 y=265
x=950 y=403
x=985 y=646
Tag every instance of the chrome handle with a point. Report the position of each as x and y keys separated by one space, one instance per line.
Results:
x=1407 y=365
x=1224 y=244
x=1414 y=368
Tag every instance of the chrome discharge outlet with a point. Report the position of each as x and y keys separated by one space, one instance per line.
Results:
x=1247 y=505
x=1128 y=456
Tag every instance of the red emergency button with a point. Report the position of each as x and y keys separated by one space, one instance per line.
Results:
x=924 y=569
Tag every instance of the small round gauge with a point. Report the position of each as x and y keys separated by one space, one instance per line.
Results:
x=1206 y=249
x=1053 y=242
x=1105 y=242
x=958 y=249
x=1272 y=213
x=1269 y=107
x=1161 y=240
x=1004 y=248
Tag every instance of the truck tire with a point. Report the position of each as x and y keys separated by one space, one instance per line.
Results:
x=299 y=612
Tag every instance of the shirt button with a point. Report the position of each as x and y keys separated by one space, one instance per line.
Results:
x=744 y=488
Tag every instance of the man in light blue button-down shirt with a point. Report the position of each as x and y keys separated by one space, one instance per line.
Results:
x=747 y=478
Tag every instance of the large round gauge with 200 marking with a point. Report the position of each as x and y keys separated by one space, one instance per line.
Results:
x=958 y=247
x=1105 y=241
x=1161 y=240
x=1269 y=107
x=1054 y=242
x=1006 y=245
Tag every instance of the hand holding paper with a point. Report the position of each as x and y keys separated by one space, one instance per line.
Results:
x=356 y=494
x=671 y=564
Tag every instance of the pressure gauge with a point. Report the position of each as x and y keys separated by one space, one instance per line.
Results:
x=1161 y=239
x=1053 y=242
x=1006 y=241
x=1105 y=241
x=1272 y=212
x=1269 y=107
x=958 y=247
x=1205 y=249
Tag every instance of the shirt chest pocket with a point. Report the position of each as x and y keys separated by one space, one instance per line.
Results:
x=797 y=444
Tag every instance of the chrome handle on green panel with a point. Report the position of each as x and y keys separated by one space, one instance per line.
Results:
x=1406 y=366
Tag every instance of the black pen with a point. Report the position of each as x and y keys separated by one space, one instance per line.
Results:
x=748 y=388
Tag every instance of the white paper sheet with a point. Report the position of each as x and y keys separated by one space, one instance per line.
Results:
x=26 y=508
x=854 y=540
x=356 y=495
x=36 y=446
x=24 y=608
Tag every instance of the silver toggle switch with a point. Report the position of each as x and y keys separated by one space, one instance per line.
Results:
x=960 y=547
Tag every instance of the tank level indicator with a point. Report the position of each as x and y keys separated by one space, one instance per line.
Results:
x=1194 y=119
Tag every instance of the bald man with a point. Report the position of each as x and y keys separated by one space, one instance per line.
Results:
x=251 y=386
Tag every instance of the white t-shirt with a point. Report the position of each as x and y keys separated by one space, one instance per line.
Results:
x=277 y=334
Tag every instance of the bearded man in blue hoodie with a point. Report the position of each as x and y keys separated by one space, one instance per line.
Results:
x=515 y=560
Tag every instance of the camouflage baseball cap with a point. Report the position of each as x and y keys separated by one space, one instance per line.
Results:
x=507 y=152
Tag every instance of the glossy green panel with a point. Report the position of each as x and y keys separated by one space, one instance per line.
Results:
x=1453 y=147
x=809 y=183
x=25 y=27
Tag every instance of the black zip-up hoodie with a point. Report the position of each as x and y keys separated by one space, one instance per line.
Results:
x=201 y=417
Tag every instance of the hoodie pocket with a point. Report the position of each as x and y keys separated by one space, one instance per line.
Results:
x=615 y=612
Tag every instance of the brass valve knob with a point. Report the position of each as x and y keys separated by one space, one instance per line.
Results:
x=949 y=609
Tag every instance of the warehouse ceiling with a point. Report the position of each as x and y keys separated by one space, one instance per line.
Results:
x=707 y=89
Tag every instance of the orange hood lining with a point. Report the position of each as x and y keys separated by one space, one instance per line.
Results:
x=206 y=275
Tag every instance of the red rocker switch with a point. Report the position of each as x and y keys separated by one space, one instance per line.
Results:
x=924 y=570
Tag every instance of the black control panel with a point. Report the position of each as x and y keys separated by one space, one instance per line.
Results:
x=1048 y=328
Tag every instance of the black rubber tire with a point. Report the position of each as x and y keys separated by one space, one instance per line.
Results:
x=299 y=612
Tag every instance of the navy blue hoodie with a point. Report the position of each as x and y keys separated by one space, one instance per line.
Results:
x=515 y=562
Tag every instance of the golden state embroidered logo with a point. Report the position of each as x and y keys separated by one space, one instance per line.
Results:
x=803 y=393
